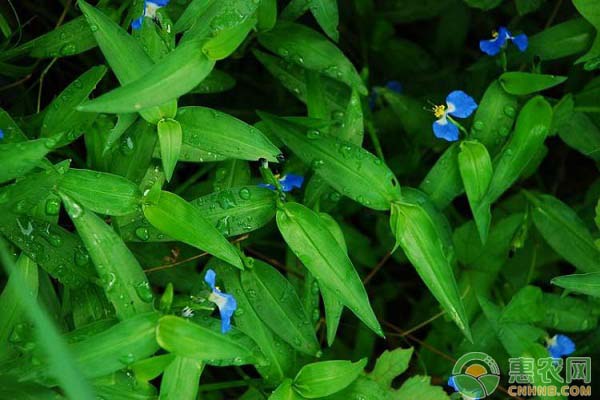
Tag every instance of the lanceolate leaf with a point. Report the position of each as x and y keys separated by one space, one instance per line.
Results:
x=313 y=244
x=169 y=138
x=325 y=378
x=101 y=192
x=348 y=168
x=417 y=235
x=522 y=83
x=275 y=301
x=280 y=356
x=216 y=132
x=180 y=220
x=580 y=283
x=180 y=380
x=123 y=280
x=62 y=116
x=20 y=158
x=303 y=46
x=326 y=14
x=171 y=77
x=565 y=232
x=227 y=41
x=205 y=342
x=475 y=168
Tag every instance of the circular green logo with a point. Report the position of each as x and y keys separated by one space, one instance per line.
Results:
x=475 y=375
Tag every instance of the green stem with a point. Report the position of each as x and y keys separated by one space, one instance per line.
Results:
x=458 y=125
x=504 y=61
x=192 y=179
x=373 y=135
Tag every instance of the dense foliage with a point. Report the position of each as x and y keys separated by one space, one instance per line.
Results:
x=255 y=199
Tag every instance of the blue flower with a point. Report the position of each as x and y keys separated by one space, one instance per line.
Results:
x=394 y=86
x=459 y=105
x=226 y=302
x=560 y=345
x=288 y=182
x=150 y=8
x=494 y=45
x=1 y=134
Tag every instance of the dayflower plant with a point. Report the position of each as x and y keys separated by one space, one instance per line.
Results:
x=150 y=8
x=560 y=345
x=1 y=134
x=459 y=105
x=288 y=182
x=226 y=302
x=499 y=38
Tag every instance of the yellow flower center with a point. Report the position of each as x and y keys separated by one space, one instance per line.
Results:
x=439 y=111
x=494 y=34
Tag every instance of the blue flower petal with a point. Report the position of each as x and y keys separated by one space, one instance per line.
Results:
x=291 y=181
x=394 y=86
x=560 y=345
x=137 y=23
x=266 y=186
x=521 y=41
x=452 y=384
x=460 y=104
x=1 y=134
x=446 y=130
x=158 y=3
x=210 y=278
x=226 y=308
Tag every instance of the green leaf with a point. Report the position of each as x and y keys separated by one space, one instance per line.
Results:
x=568 y=314
x=308 y=237
x=580 y=283
x=443 y=182
x=56 y=250
x=61 y=115
x=20 y=158
x=389 y=365
x=12 y=309
x=180 y=380
x=173 y=76
x=324 y=378
x=123 y=280
x=150 y=368
x=266 y=15
x=523 y=83
x=589 y=10
x=61 y=362
x=216 y=132
x=169 y=139
x=419 y=387
x=530 y=132
x=305 y=47
x=326 y=14
x=180 y=220
x=72 y=37
x=118 y=346
x=275 y=301
x=101 y=192
x=227 y=41
x=216 y=82
x=191 y=13
x=422 y=243
x=483 y=4
x=515 y=337
x=525 y=306
x=205 y=342
x=348 y=168
x=279 y=355
x=580 y=132
x=333 y=307
x=494 y=117
x=476 y=170
x=285 y=392
x=565 y=232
